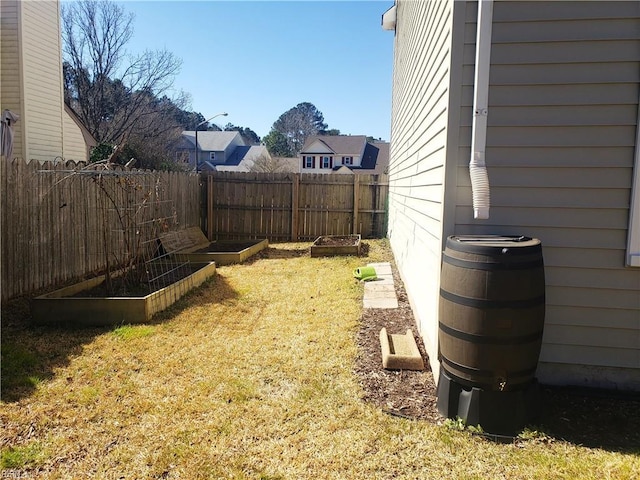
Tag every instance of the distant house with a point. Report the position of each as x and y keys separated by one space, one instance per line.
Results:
x=32 y=87
x=222 y=151
x=242 y=159
x=548 y=99
x=343 y=154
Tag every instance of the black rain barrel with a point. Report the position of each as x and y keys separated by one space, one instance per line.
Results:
x=492 y=306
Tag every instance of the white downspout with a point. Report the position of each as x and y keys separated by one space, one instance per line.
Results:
x=477 y=166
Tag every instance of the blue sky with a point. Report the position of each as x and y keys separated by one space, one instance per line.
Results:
x=257 y=59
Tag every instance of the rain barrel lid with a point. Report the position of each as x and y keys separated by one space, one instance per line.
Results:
x=494 y=244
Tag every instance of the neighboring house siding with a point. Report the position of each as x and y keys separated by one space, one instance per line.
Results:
x=419 y=137
x=563 y=110
x=74 y=147
x=10 y=93
x=336 y=161
x=561 y=140
x=43 y=91
x=336 y=147
x=318 y=150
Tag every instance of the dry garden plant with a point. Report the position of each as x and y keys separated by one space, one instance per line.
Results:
x=133 y=211
x=262 y=373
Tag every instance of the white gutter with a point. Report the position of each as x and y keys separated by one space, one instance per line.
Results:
x=389 y=19
x=477 y=166
x=633 y=238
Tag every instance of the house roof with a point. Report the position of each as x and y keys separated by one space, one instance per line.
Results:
x=375 y=159
x=211 y=141
x=244 y=154
x=339 y=144
x=242 y=158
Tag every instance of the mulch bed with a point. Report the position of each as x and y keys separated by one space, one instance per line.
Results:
x=404 y=393
x=594 y=418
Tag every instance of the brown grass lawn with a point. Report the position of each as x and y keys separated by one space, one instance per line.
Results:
x=250 y=377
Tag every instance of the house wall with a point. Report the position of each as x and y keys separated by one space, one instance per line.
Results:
x=42 y=79
x=562 y=122
x=221 y=155
x=425 y=69
x=32 y=77
x=10 y=73
x=337 y=160
x=319 y=149
x=74 y=146
x=563 y=110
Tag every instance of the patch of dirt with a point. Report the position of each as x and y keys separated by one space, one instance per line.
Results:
x=593 y=418
x=227 y=246
x=154 y=278
x=404 y=393
x=337 y=241
x=276 y=253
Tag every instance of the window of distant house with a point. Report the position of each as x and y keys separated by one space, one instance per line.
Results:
x=347 y=160
x=327 y=162
x=308 y=162
x=212 y=156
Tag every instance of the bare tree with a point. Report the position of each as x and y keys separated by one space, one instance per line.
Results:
x=117 y=96
x=267 y=164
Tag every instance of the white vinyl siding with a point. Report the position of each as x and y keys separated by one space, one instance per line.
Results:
x=419 y=136
x=32 y=87
x=10 y=93
x=561 y=144
x=563 y=112
x=74 y=146
x=316 y=163
x=318 y=147
x=42 y=77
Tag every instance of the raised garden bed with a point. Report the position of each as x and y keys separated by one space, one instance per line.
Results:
x=225 y=252
x=79 y=305
x=332 y=245
x=192 y=245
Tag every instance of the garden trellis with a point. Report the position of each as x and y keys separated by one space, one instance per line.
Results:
x=132 y=211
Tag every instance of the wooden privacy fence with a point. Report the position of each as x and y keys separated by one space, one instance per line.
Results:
x=294 y=207
x=58 y=224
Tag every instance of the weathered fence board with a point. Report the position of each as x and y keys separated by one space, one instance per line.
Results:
x=294 y=207
x=55 y=220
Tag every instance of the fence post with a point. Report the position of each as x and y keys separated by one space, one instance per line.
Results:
x=356 y=201
x=210 y=205
x=374 y=206
x=295 y=201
